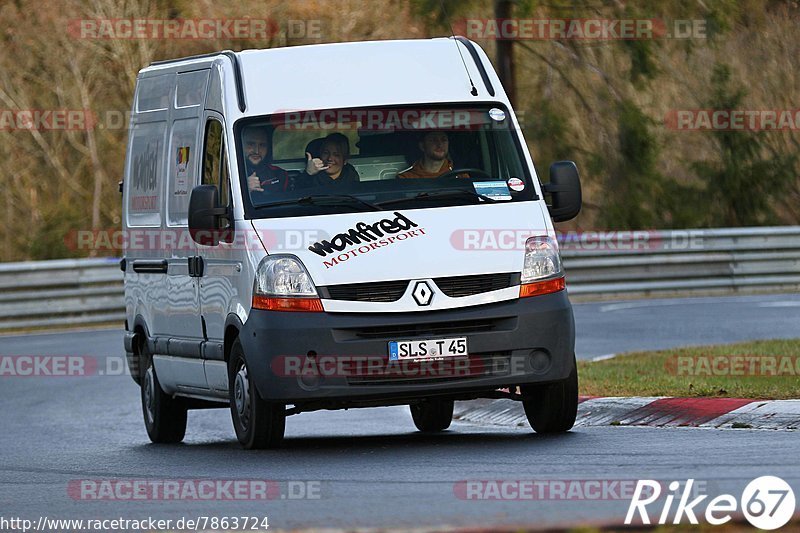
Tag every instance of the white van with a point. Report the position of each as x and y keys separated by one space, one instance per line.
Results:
x=339 y=226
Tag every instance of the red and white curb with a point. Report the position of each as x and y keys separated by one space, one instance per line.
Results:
x=730 y=413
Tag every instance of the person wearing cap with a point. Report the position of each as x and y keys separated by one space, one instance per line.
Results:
x=331 y=167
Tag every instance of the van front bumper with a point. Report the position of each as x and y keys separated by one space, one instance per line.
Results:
x=296 y=357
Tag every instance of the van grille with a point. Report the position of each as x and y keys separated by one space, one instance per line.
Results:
x=404 y=331
x=460 y=286
x=383 y=291
x=391 y=291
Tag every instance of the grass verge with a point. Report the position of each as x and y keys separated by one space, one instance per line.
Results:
x=759 y=369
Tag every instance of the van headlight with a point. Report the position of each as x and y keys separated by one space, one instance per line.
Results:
x=542 y=272
x=282 y=283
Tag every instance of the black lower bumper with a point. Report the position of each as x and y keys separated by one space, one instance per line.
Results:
x=342 y=357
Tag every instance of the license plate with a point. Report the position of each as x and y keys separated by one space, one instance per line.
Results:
x=427 y=349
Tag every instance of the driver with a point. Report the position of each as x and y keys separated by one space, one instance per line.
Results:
x=435 y=148
x=261 y=175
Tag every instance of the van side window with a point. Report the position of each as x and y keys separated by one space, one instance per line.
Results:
x=215 y=163
x=153 y=93
x=191 y=88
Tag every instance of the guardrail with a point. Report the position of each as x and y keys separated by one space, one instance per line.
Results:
x=598 y=265
x=665 y=263
x=65 y=292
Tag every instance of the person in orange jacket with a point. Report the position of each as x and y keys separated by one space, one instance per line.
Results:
x=435 y=148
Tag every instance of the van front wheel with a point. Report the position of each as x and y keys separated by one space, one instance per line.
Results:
x=164 y=417
x=258 y=424
x=552 y=407
x=432 y=415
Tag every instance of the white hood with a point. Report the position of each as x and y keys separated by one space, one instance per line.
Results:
x=407 y=244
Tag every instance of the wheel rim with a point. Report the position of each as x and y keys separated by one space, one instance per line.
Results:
x=149 y=395
x=241 y=396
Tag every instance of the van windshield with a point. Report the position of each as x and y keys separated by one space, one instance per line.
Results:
x=347 y=160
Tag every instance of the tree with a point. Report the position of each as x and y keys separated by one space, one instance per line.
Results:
x=747 y=177
x=634 y=184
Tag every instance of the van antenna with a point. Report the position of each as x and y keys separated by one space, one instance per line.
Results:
x=473 y=91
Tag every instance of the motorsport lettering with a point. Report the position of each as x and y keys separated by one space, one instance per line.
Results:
x=373 y=236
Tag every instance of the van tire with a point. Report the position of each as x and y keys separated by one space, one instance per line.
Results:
x=432 y=415
x=164 y=416
x=552 y=407
x=258 y=424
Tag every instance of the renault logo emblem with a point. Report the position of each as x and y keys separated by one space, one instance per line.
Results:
x=422 y=293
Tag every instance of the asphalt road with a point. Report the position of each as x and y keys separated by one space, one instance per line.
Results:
x=369 y=468
x=616 y=327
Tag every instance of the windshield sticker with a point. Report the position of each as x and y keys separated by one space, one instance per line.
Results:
x=370 y=236
x=516 y=184
x=496 y=190
x=498 y=115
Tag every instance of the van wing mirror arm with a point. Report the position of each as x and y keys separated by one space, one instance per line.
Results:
x=215 y=212
x=550 y=188
x=219 y=214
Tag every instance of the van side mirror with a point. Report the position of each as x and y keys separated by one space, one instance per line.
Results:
x=205 y=214
x=565 y=190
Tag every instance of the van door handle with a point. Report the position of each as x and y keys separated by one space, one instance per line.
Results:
x=150 y=266
x=196 y=266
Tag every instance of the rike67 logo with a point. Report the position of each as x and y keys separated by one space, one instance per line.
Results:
x=767 y=503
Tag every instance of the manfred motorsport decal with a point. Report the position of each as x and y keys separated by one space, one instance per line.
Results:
x=145 y=179
x=369 y=236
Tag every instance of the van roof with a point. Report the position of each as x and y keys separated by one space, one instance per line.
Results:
x=359 y=74
x=363 y=74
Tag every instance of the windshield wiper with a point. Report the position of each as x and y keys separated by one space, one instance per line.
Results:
x=441 y=193
x=323 y=199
